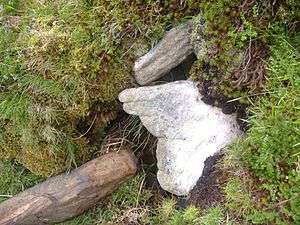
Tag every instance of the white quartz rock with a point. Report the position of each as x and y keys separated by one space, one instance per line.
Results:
x=188 y=130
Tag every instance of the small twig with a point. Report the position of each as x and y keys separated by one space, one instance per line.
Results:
x=87 y=130
x=248 y=52
x=262 y=93
x=283 y=202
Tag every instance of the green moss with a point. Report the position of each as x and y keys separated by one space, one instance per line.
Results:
x=271 y=149
x=214 y=216
x=237 y=37
x=274 y=136
x=168 y=214
x=63 y=64
x=244 y=206
x=14 y=178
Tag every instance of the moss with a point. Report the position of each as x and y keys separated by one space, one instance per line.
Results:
x=245 y=206
x=270 y=150
x=237 y=36
x=63 y=64
x=41 y=161
x=168 y=214
x=8 y=148
x=14 y=178
x=274 y=137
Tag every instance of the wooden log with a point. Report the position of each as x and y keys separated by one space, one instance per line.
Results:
x=68 y=195
x=172 y=50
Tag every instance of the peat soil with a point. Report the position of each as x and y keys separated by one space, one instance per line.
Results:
x=206 y=193
x=207 y=88
x=208 y=190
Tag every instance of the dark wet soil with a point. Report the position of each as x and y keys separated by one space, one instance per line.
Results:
x=206 y=193
x=181 y=72
x=208 y=190
x=211 y=96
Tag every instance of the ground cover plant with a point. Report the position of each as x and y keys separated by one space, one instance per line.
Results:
x=263 y=185
x=263 y=180
x=62 y=64
x=271 y=149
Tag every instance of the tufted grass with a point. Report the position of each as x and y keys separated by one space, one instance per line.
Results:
x=271 y=148
x=14 y=178
x=62 y=65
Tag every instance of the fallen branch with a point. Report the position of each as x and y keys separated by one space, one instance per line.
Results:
x=68 y=195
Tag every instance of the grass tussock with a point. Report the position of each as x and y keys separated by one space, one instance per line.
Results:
x=270 y=151
x=238 y=38
x=62 y=65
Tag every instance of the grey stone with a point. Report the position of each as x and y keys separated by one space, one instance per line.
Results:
x=173 y=49
x=188 y=130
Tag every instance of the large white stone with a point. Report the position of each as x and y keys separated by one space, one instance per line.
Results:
x=188 y=130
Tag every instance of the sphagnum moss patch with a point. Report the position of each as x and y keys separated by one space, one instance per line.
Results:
x=63 y=64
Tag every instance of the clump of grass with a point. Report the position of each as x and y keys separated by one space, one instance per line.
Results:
x=168 y=214
x=14 y=178
x=270 y=150
x=247 y=206
x=62 y=65
x=273 y=142
x=132 y=203
x=238 y=36
x=214 y=216
x=265 y=164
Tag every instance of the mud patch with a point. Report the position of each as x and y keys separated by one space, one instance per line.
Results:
x=211 y=96
x=208 y=190
x=180 y=72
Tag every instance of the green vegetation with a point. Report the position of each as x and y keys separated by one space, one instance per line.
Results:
x=129 y=204
x=238 y=35
x=167 y=214
x=14 y=178
x=271 y=149
x=132 y=204
x=63 y=63
x=266 y=190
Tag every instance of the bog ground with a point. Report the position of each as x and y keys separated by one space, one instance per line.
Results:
x=63 y=64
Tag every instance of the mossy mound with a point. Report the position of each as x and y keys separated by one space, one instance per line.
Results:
x=14 y=179
x=238 y=35
x=63 y=64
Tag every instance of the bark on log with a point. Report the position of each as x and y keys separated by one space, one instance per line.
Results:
x=173 y=49
x=68 y=195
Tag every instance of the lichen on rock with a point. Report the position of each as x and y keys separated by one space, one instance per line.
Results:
x=188 y=130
